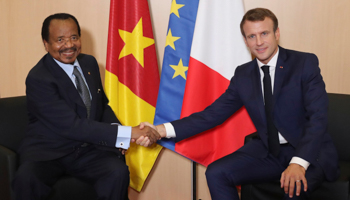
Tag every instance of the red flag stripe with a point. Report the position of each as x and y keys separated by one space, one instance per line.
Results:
x=210 y=143
x=201 y=81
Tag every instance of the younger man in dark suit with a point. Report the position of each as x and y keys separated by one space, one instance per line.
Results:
x=72 y=130
x=285 y=96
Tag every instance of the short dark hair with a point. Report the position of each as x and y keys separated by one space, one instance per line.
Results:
x=259 y=14
x=45 y=33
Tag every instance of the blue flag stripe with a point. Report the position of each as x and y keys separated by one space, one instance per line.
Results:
x=171 y=90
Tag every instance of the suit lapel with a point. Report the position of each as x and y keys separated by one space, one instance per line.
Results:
x=63 y=80
x=258 y=99
x=257 y=90
x=281 y=69
x=257 y=96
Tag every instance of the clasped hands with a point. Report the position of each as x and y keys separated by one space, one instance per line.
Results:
x=145 y=134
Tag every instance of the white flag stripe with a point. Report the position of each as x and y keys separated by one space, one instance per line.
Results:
x=217 y=41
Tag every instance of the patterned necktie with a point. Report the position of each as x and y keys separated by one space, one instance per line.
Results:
x=83 y=90
x=273 y=140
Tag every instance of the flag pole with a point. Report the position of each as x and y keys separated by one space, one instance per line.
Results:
x=194 y=180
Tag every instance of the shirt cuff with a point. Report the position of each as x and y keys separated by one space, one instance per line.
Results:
x=123 y=137
x=300 y=161
x=170 y=131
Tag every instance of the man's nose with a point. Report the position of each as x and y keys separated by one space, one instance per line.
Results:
x=259 y=40
x=68 y=43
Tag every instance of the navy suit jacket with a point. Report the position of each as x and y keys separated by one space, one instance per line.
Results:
x=299 y=111
x=57 y=115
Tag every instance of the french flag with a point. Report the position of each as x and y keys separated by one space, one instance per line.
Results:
x=217 y=48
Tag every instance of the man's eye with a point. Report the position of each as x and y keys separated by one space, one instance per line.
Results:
x=74 y=37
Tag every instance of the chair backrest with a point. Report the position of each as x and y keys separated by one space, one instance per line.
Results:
x=339 y=123
x=13 y=121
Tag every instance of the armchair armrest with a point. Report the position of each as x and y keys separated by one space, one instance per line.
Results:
x=8 y=166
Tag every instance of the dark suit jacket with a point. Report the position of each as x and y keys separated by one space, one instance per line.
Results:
x=299 y=111
x=57 y=115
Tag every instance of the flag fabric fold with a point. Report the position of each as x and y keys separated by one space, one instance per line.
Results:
x=217 y=49
x=132 y=78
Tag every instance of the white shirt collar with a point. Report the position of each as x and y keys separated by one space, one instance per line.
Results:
x=68 y=68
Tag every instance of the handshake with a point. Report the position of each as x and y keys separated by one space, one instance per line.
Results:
x=146 y=134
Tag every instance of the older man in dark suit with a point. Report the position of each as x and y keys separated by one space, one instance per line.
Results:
x=72 y=130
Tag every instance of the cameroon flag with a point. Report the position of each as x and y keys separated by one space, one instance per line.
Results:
x=132 y=78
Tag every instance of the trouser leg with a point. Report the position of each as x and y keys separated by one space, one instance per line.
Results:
x=33 y=180
x=105 y=170
x=239 y=168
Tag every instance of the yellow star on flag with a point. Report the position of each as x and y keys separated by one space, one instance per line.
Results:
x=135 y=43
x=175 y=8
x=180 y=69
x=170 y=40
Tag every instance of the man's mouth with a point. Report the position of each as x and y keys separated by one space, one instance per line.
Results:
x=261 y=50
x=68 y=52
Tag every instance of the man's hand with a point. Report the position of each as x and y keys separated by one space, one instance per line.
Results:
x=159 y=128
x=144 y=124
x=147 y=135
x=291 y=177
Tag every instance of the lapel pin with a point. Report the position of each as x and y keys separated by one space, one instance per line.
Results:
x=281 y=67
x=89 y=73
x=98 y=90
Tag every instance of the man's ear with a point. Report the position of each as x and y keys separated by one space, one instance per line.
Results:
x=46 y=45
x=245 y=40
x=277 y=33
